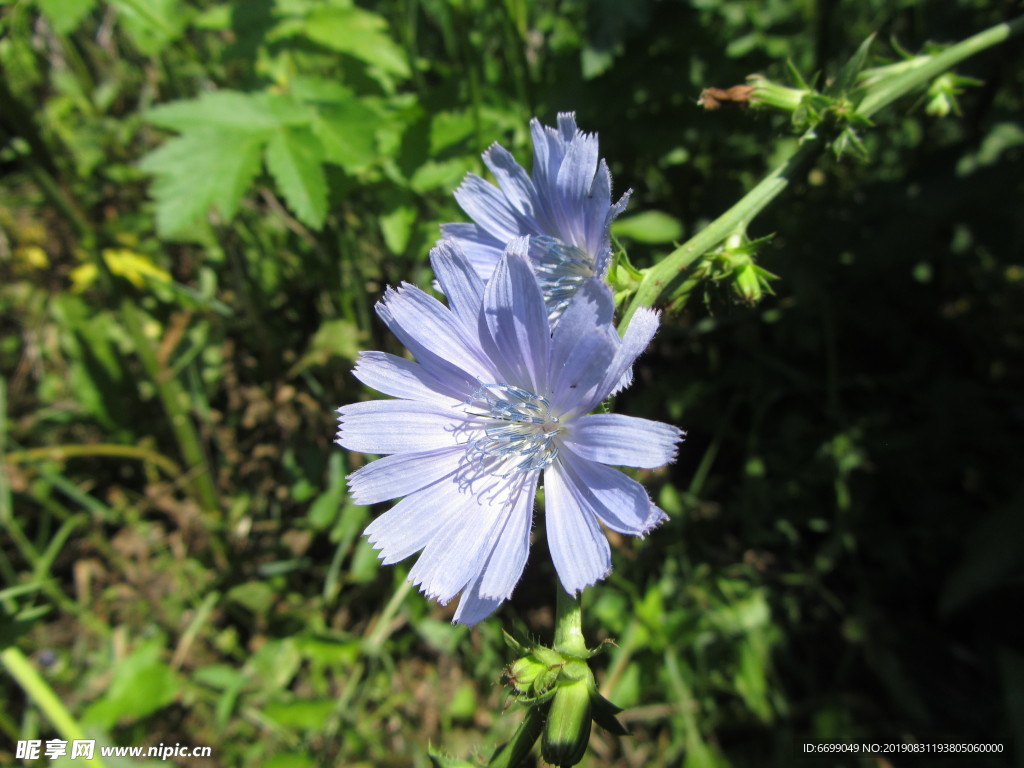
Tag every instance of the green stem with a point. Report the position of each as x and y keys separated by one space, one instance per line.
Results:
x=661 y=278
x=568 y=625
x=665 y=276
x=383 y=629
x=891 y=89
x=37 y=689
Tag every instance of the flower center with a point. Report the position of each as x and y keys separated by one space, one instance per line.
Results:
x=516 y=433
x=561 y=269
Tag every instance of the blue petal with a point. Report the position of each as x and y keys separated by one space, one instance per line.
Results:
x=578 y=380
x=402 y=474
x=592 y=306
x=418 y=519
x=478 y=245
x=517 y=320
x=548 y=150
x=403 y=378
x=619 y=502
x=456 y=555
x=508 y=557
x=575 y=177
x=642 y=327
x=579 y=548
x=487 y=206
x=436 y=339
x=612 y=438
x=460 y=283
x=472 y=607
x=567 y=125
x=514 y=181
x=397 y=426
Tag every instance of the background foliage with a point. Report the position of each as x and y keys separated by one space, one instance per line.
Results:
x=200 y=202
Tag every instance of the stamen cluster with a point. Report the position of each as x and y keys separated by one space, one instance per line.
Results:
x=517 y=428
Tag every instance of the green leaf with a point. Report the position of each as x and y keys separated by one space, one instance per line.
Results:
x=256 y=596
x=141 y=685
x=322 y=90
x=396 y=226
x=337 y=338
x=359 y=33
x=275 y=664
x=346 y=132
x=295 y=159
x=152 y=24
x=441 y=174
x=449 y=129
x=66 y=15
x=649 y=227
x=301 y=715
x=327 y=506
x=204 y=167
x=232 y=110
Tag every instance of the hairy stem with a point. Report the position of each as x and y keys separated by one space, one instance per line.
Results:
x=665 y=276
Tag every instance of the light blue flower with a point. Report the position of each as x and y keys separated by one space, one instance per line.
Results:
x=565 y=208
x=493 y=399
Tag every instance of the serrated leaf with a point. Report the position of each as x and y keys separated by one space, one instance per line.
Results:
x=231 y=110
x=66 y=15
x=203 y=167
x=359 y=33
x=346 y=132
x=295 y=159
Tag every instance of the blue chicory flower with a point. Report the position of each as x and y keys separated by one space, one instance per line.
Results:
x=565 y=208
x=493 y=399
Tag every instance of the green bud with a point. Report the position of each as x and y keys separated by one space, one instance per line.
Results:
x=942 y=93
x=567 y=732
x=534 y=673
x=775 y=96
x=747 y=284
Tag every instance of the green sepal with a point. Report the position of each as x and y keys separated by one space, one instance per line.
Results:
x=604 y=712
x=847 y=77
x=518 y=645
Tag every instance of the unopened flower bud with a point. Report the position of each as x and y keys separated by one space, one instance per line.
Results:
x=535 y=672
x=748 y=284
x=567 y=732
x=780 y=97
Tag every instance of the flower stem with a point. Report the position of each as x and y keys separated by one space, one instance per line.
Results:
x=893 y=88
x=667 y=275
x=663 y=276
x=568 y=625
